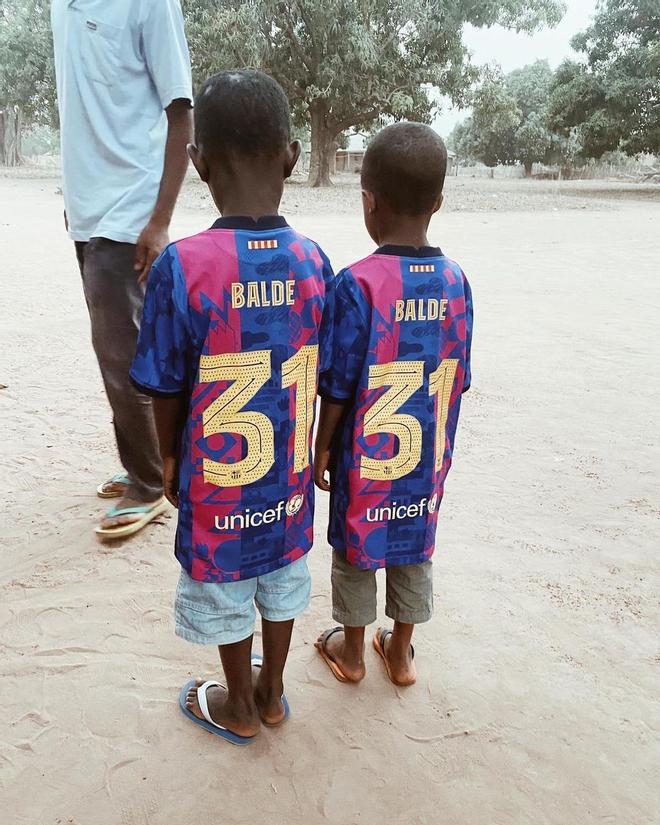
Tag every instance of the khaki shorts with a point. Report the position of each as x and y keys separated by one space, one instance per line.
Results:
x=408 y=596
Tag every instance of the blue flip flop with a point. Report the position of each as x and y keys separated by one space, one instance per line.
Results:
x=207 y=723
x=118 y=478
x=257 y=661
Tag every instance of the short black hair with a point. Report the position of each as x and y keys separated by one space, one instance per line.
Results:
x=405 y=164
x=242 y=111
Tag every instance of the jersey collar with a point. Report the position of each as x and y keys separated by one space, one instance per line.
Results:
x=410 y=251
x=241 y=222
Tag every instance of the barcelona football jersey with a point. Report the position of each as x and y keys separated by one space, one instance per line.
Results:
x=403 y=329
x=239 y=319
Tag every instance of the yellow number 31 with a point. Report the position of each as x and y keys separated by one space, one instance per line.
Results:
x=403 y=379
x=248 y=372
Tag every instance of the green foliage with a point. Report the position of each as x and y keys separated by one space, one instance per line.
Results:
x=27 y=75
x=345 y=64
x=41 y=140
x=508 y=122
x=348 y=63
x=613 y=96
x=489 y=134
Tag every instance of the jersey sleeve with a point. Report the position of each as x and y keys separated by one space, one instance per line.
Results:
x=159 y=367
x=326 y=331
x=469 y=315
x=166 y=51
x=350 y=341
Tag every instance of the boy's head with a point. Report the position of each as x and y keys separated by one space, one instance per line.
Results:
x=242 y=129
x=403 y=173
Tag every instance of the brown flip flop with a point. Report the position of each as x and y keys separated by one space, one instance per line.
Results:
x=379 y=645
x=321 y=646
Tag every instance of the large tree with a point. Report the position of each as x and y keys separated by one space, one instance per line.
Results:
x=27 y=85
x=613 y=96
x=509 y=119
x=348 y=63
x=488 y=135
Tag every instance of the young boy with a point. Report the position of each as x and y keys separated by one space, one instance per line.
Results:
x=390 y=405
x=237 y=324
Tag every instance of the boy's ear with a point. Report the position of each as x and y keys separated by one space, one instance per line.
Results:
x=369 y=201
x=199 y=161
x=438 y=203
x=292 y=156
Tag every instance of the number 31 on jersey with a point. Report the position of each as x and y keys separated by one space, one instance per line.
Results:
x=403 y=379
x=248 y=372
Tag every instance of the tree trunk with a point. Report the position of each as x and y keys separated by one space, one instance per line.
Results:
x=528 y=168
x=10 y=136
x=324 y=150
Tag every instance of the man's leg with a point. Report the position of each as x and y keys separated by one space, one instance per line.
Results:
x=114 y=300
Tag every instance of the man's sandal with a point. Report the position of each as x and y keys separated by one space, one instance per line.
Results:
x=147 y=513
x=109 y=488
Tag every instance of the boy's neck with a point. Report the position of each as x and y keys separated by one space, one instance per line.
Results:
x=247 y=195
x=405 y=230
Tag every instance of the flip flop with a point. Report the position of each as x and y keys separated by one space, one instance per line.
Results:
x=379 y=644
x=119 y=478
x=148 y=512
x=207 y=723
x=257 y=661
x=321 y=646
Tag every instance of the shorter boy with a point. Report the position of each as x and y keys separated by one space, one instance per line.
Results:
x=237 y=324
x=403 y=324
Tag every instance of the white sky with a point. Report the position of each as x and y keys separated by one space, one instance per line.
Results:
x=512 y=50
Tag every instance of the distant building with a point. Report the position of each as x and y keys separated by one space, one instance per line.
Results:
x=349 y=160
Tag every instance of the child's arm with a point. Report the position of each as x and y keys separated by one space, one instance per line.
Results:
x=330 y=416
x=160 y=367
x=169 y=414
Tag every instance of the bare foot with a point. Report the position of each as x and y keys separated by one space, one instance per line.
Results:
x=401 y=665
x=108 y=522
x=268 y=699
x=350 y=663
x=243 y=721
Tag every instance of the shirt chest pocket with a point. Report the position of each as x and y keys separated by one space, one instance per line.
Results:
x=100 y=50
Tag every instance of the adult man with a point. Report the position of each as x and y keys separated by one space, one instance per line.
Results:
x=124 y=92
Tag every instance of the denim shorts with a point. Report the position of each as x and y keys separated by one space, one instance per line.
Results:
x=207 y=613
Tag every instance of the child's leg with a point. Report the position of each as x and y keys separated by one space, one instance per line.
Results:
x=398 y=650
x=222 y=614
x=354 y=605
x=233 y=708
x=281 y=596
x=269 y=687
x=409 y=601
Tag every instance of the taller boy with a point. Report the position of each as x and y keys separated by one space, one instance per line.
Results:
x=124 y=91
x=237 y=326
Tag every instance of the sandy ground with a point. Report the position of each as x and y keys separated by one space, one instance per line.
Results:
x=537 y=696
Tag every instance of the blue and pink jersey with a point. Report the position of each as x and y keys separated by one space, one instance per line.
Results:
x=403 y=329
x=239 y=319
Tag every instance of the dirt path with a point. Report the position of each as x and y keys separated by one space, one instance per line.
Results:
x=537 y=700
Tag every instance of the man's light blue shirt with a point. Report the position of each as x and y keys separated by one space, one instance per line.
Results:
x=119 y=64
